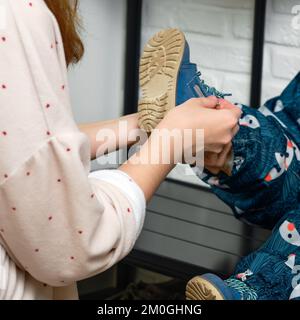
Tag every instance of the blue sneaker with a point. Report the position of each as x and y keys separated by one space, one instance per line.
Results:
x=168 y=78
x=211 y=287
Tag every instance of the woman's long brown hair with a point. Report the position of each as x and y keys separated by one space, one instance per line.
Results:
x=66 y=13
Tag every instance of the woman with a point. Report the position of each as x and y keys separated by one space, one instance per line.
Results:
x=59 y=225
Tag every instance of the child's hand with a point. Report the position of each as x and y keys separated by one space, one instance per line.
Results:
x=217 y=162
x=219 y=126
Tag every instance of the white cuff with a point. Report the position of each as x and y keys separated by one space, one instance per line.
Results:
x=129 y=188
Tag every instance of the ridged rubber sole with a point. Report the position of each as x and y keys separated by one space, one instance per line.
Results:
x=159 y=67
x=201 y=289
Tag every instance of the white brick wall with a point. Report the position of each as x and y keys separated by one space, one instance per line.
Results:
x=282 y=56
x=220 y=36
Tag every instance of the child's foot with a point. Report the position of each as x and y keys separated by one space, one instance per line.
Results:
x=211 y=287
x=168 y=78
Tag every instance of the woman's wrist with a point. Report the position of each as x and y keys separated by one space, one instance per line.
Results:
x=173 y=144
x=149 y=167
x=120 y=131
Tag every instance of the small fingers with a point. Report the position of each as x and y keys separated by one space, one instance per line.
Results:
x=213 y=170
x=210 y=158
x=215 y=163
x=217 y=159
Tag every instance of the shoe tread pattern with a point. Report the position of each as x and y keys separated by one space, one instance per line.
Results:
x=159 y=66
x=200 y=289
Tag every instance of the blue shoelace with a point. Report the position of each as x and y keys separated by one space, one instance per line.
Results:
x=211 y=90
x=246 y=292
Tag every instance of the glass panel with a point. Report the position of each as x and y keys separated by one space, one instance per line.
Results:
x=97 y=82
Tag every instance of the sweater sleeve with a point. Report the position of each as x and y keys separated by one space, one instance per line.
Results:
x=56 y=222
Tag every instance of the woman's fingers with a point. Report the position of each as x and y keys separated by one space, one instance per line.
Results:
x=235 y=130
x=219 y=126
x=226 y=105
x=224 y=159
x=209 y=102
x=236 y=112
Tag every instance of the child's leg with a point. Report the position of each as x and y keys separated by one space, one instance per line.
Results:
x=276 y=264
x=270 y=273
x=265 y=180
x=286 y=107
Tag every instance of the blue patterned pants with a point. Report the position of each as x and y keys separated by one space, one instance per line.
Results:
x=264 y=189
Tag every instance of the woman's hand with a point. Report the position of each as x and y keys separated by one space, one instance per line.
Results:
x=219 y=126
x=217 y=162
